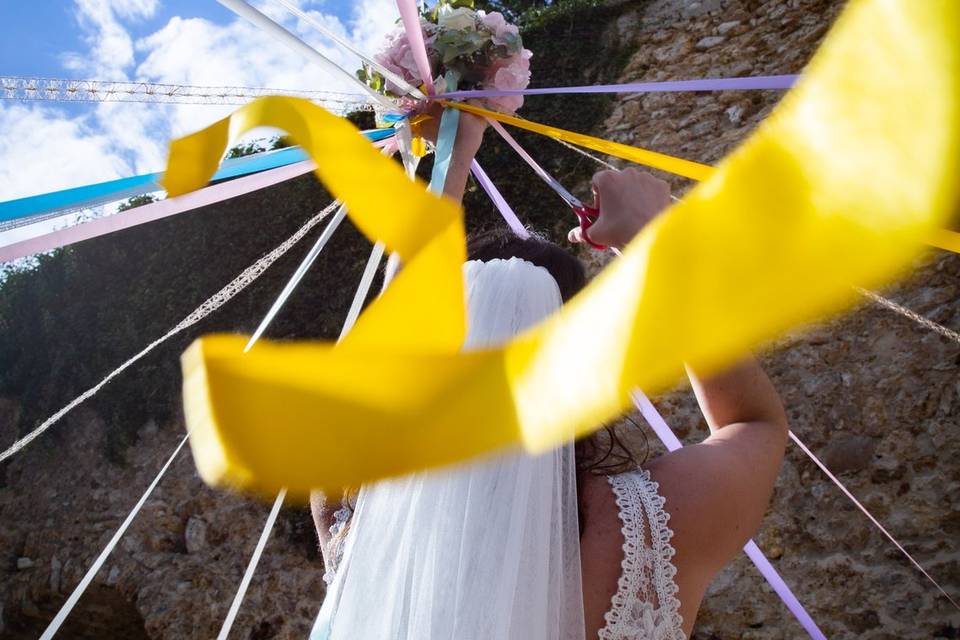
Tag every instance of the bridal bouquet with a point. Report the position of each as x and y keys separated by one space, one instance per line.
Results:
x=467 y=48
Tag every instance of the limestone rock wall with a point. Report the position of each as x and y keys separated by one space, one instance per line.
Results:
x=174 y=573
x=873 y=394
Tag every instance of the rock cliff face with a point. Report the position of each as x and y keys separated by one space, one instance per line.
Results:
x=873 y=394
x=174 y=573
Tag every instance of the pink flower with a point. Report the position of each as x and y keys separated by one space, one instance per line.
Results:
x=509 y=74
x=502 y=32
x=397 y=56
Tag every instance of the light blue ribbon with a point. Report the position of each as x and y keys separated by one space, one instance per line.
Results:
x=92 y=195
x=446 y=139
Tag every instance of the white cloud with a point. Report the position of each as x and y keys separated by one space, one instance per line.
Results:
x=110 y=45
x=372 y=20
x=120 y=139
x=196 y=51
x=137 y=132
x=44 y=150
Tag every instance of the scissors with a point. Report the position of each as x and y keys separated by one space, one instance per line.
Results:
x=586 y=215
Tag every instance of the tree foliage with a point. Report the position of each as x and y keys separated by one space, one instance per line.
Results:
x=513 y=9
x=137 y=201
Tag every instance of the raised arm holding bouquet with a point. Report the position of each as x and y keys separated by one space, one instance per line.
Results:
x=467 y=49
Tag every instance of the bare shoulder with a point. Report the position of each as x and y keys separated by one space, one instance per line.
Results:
x=602 y=552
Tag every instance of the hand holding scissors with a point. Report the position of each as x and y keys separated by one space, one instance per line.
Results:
x=624 y=202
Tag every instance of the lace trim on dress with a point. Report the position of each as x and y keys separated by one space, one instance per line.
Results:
x=645 y=606
x=340 y=518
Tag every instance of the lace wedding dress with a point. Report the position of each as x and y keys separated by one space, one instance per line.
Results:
x=645 y=606
x=490 y=549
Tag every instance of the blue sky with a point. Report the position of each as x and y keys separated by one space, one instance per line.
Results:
x=53 y=145
x=36 y=34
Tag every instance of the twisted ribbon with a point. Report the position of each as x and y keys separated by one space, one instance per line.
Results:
x=839 y=186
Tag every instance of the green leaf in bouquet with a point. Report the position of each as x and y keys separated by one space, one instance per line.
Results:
x=451 y=54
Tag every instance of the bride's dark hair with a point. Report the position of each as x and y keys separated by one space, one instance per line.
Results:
x=600 y=453
x=503 y=243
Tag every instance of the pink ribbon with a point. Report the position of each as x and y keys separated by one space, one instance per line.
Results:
x=411 y=24
x=154 y=211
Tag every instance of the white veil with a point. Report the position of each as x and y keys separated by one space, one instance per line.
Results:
x=487 y=550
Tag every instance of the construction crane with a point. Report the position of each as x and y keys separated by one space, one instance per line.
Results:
x=59 y=89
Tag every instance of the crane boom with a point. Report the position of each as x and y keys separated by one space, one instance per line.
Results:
x=64 y=90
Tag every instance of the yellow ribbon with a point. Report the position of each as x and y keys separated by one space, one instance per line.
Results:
x=944 y=239
x=853 y=169
x=940 y=238
x=670 y=164
x=426 y=231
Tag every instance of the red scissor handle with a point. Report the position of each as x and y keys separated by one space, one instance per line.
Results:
x=588 y=216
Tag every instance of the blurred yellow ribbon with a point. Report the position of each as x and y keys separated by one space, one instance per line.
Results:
x=839 y=185
x=678 y=166
x=940 y=238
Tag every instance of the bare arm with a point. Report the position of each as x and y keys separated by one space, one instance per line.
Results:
x=717 y=490
x=469 y=137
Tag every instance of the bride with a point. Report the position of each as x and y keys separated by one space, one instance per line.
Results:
x=576 y=543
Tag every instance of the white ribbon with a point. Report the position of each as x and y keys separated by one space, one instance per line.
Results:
x=407 y=88
x=260 y=20
x=67 y=607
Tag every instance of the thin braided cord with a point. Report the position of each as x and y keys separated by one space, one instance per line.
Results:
x=67 y=607
x=217 y=300
x=601 y=162
x=949 y=334
x=585 y=153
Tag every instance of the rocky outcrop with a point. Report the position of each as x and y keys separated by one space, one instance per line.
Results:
x=873 y=394
x=174 y=573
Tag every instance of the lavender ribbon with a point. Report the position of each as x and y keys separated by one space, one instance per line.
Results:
x=502 y=206
x=672 y=443
x=705 y=84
